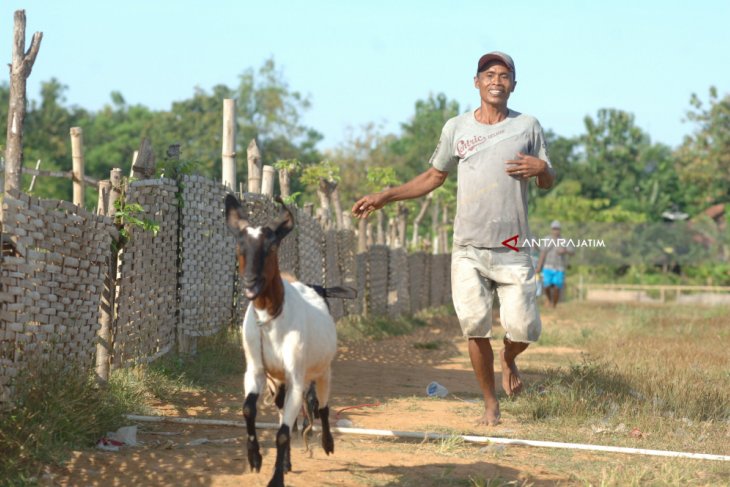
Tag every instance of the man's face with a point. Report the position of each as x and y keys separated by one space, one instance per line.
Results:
x=495 y=83
x=556 y=232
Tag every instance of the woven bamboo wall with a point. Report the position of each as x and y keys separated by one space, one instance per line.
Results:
x=399 y=301
x=377 y=282
x=207 y=262
x=147 y=287
x=311 y=250
x=50 y=283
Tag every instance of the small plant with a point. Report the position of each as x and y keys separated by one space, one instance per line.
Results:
x=127 y=214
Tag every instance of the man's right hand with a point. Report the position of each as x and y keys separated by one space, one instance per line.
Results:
x=368 y=204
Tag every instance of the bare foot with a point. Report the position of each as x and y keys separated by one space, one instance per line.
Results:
x=511 y=382
x=491 y=415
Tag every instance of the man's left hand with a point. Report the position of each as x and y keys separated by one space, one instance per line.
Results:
x=525 y=166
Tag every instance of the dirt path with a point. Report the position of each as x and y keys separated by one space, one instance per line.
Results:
x=393 y=373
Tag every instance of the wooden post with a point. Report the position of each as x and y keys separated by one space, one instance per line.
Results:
x=337 y=206
x=104 y=348
x=105 y=187
x=401 y=224
x=417 y=221
x=20 y=69
x=229 y=144
x=267 y=183
x=362 y=236
x=144 y=165
x=346 y=220
x=77 y=158
x=254 y=167
x=284 y=183
x=115 y=179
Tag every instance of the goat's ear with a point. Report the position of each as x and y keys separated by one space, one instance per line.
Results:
x=234 y=214
x=285 y=223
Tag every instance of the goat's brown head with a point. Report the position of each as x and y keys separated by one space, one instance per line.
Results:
x=257 y=246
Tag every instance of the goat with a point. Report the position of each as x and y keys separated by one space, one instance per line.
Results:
x=288 y=335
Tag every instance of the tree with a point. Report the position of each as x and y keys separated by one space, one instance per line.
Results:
x=704 y=157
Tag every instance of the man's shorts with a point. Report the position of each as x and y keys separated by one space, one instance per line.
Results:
x=476 y=273
x=552 y=277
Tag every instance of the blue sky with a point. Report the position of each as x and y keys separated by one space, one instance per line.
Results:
x=363 y=62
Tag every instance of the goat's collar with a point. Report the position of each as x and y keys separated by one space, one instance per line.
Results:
x=263 y=317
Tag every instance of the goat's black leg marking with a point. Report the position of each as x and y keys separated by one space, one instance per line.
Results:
x=312 y=401
x=252 y=443
x=280 y=396
x=279 y=401
x=328 y=443
x=283 y=442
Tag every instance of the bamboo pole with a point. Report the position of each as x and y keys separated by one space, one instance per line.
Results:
x=254 y=167
x=32 y=181
x=77 y=158
x=228 y=153
x=267 y=183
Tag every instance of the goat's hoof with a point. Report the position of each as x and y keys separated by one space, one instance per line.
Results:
x=277 y=480
x=254 y=460
x=328 y=443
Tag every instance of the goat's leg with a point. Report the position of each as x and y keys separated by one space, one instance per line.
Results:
x=253 y=383
x=279 y=401
x=323 y=393
x=292 y=405
x=283 y=443
x=252 y=442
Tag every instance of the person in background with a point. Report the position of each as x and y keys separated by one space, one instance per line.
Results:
x=552 y=263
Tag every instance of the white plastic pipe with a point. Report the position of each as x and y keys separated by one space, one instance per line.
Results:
x=440 y=436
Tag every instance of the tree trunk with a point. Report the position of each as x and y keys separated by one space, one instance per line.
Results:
x=20 y=69
x=228 y=151
x=435 y=226
x=337 y=207
x=324 y=191
x=443 y=232
x=380 y=238
x=401 y=224
x=419 y=218
x=254 y=167
x=362 y=236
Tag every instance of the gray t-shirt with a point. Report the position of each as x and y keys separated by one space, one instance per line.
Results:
x=491 y=206
x=554 y=260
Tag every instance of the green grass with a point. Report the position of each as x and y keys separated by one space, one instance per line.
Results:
x=661 y=371
x=380 y=327
x=59 y=408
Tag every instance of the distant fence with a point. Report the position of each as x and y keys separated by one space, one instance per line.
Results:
x=176 y=285
x=705 y=295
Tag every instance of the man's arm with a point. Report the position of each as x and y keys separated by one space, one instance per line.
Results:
x=422 y=184
x=541 y=261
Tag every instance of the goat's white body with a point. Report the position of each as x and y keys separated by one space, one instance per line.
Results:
x=296 y=347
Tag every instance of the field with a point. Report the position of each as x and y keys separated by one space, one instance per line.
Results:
x=637 y=376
